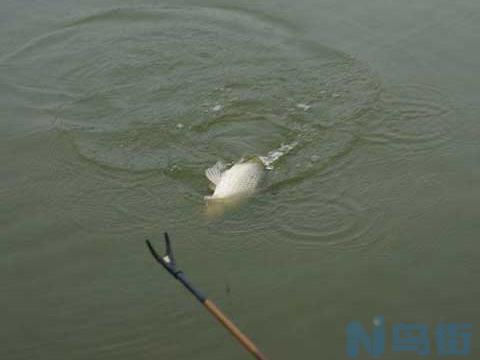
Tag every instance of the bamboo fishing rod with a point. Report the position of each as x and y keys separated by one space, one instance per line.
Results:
x=168 y=262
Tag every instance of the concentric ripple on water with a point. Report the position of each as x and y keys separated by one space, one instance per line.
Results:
x=162 y=88
x=174 y=89
x=413 y=117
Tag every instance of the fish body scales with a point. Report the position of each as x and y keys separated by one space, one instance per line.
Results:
x=240 y=179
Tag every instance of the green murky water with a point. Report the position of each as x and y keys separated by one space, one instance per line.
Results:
x=111 y=112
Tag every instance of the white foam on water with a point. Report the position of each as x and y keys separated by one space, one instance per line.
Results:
x=276 y=154
x=304 y=107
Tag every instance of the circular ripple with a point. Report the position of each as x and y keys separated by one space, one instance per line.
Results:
x=113 y=202
x=162 y=88
x=304 y=215
x=324 y=218
x=413 y=117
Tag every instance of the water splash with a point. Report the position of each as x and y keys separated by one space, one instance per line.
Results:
x=276 y=154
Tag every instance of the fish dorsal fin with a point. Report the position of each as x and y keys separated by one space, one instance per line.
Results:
x=214 y=173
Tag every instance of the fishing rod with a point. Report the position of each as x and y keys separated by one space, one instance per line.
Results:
x=168 y=262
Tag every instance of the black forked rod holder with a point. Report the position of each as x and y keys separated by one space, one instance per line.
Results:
x=168 y=262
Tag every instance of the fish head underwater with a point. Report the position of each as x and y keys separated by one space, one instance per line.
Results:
x=232 y=185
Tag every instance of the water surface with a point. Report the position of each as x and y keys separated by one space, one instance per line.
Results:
x=112 y=112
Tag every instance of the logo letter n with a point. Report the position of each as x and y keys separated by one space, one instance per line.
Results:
x=356 y=336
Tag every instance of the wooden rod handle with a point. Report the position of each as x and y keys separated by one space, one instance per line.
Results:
x=234 y=330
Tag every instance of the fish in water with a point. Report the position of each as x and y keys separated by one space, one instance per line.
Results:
x=239 y=181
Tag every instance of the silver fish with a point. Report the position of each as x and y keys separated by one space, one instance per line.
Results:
x=239 y=181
